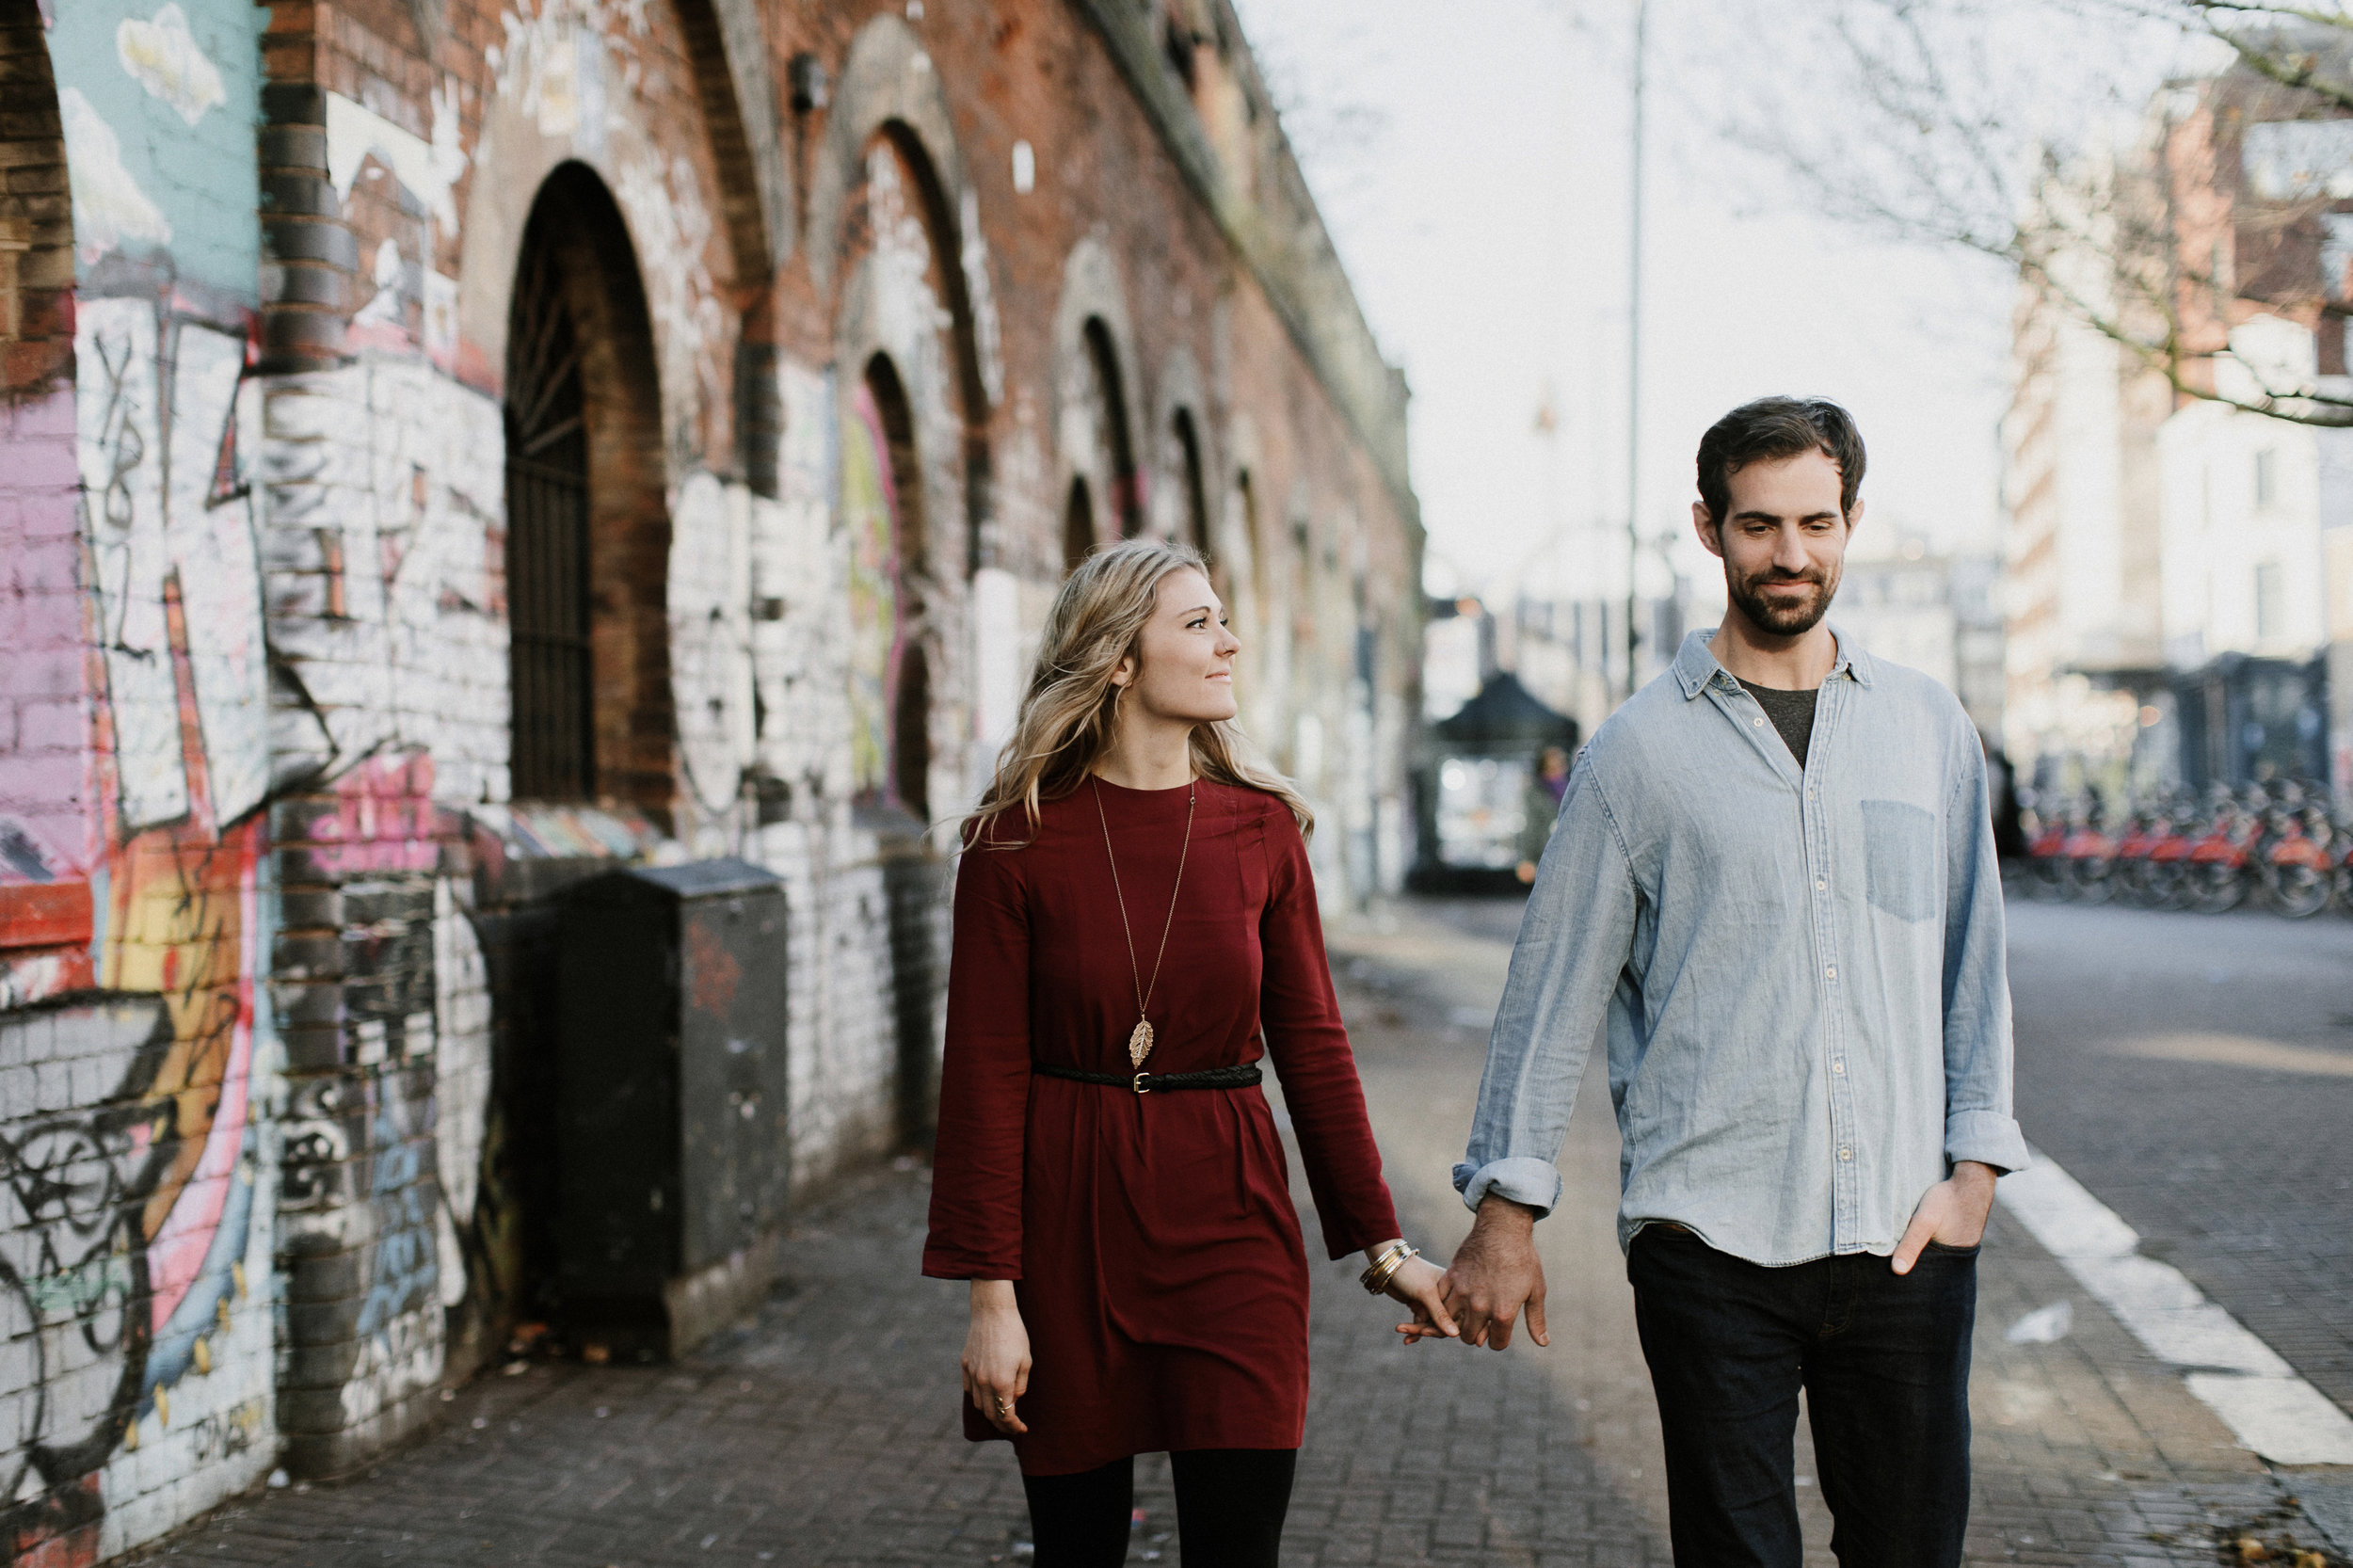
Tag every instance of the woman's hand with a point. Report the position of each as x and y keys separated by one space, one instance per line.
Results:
x=996 y=1355
x=1415 y=1284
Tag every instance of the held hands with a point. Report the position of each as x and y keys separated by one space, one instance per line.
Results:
x=996 y=1355
x=1953 y=1212
x=1495 y=1276
x=1415 y=1282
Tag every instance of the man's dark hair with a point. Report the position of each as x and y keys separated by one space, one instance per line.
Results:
x=1772 y=428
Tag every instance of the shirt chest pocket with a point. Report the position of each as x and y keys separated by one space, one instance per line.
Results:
x=1904 y=860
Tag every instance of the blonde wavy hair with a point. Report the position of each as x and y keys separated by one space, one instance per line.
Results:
x=1067 y=715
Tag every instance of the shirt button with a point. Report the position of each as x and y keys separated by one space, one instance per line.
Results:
x=1839 y=1067
x=1759 y=723
x=1820 y=885
x=1831 y=972
x=1845 y=1153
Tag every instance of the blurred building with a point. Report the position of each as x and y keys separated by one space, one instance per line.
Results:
x=2248 y=541
x=1934 y=613
x=2178 y=572
x=2078 y=591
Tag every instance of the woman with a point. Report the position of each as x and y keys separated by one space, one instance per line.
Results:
x=1133 y=905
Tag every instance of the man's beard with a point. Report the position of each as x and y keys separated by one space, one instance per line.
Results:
x=1782 y=617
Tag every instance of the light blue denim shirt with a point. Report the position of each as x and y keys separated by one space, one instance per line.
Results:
x=1801 y=968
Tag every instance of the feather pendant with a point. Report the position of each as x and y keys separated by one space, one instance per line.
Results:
x=1140 y=1043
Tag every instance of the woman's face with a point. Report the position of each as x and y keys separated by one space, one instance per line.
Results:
x=1183 y=666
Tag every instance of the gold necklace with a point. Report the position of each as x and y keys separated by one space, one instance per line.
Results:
x=1140 y=1040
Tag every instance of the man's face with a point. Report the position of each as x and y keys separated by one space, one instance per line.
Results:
x=1785 y=542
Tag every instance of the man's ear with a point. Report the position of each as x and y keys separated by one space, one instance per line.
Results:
x=1854 y=517
x=1704 y=526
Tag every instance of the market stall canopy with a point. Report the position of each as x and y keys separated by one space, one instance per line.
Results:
x=1504 y=718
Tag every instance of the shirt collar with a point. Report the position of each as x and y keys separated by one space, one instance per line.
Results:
x=1695 y=663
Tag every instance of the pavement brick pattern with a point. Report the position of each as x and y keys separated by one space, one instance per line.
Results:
x=823 y=1430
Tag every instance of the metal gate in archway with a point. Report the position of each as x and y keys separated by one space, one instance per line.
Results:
x=547 y=542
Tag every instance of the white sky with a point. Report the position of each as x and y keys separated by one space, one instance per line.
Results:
x=1472 y=165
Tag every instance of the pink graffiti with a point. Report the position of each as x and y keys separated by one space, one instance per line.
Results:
x=46 y=777
x=383 y=821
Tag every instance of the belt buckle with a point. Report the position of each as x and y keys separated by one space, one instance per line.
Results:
x=1138 y=1085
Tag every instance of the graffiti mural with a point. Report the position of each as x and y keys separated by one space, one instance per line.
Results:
x=387 y=1111
x=379 y=493
x=75 y=1183
x=133 y=1265
x=710 y=662
x=128 y=1162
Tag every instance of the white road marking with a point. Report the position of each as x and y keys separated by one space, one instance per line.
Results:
x=2244 y=1381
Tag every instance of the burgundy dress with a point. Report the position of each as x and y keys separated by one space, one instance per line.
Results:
x=1161 y=1270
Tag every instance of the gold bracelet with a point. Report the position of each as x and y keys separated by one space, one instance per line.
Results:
x=1388 y=1260
x=1375 y=1279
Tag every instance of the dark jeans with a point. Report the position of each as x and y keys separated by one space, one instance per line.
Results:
x=1883 y=1359
x=1230 y=1504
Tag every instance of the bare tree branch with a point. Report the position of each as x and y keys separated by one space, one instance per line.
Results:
x=1945 y=149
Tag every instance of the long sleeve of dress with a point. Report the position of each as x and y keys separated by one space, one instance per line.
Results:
x=1310 y=1051
x=984 y=1078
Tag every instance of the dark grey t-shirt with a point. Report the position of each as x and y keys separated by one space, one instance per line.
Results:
x=1792 y=713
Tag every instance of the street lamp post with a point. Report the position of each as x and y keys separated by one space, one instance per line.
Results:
x=1634 y=367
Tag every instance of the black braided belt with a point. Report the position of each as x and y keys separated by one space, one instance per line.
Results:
x=1239 y=1077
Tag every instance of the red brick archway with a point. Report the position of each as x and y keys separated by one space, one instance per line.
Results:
x=588 y=535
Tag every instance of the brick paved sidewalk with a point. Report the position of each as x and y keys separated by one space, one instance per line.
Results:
x=824 y=1431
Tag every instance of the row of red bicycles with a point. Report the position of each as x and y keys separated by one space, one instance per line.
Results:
x=2212 y=851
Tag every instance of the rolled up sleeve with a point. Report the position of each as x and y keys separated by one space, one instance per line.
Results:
x=1573 y=947
x=1978 y=1125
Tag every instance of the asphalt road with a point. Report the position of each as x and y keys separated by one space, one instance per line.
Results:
x=2196 y=1073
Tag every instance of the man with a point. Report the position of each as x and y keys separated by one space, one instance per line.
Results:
x=1773 y=874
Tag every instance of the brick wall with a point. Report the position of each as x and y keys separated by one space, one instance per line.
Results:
x=36 y=227
x=136 y=1183
x=274 y=934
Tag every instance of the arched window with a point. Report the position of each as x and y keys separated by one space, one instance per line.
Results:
x=882 y=504
x=1078 y=525
x=547 y=539
x=1262 y=595
x=1196 y=519
x=587 y=528
x=1127 y=500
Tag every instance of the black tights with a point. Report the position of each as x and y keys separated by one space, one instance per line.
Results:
x=1230 y=1504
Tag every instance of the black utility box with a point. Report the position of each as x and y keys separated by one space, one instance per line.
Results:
x=670 y=1102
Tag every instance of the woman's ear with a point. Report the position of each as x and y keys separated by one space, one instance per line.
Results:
x=1124 y=673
